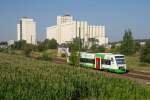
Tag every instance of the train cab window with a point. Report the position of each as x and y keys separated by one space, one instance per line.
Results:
x=112 y=60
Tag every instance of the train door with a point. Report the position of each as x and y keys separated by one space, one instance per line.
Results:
x=98 y=63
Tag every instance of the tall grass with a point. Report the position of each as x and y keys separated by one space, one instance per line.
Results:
x=133 y=62
x=25 y=79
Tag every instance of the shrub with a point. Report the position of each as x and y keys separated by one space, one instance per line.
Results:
x=74 y=59
x=46 y=56
x=145 y=53
x=1 y=49
x=101 y=49
x=63 y=55
x=28 y=49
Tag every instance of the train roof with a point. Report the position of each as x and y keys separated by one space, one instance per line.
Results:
x=103 y=54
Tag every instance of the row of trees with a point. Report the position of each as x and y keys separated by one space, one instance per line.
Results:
x=41 y=46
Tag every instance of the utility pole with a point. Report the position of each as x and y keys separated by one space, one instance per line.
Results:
x=79 y=43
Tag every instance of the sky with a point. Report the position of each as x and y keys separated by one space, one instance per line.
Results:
x=115 y=15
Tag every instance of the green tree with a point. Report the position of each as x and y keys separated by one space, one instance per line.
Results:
x=145 y=53
x=20 y=44
x=137 y=46
x=128 y=45
x=53 y=44
x=75 y=45
x=74 y=48
x=47 y=44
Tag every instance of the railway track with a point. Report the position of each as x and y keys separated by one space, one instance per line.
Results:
x=138 y=75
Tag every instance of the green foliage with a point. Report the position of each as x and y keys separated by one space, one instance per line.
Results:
x=145 y=53
x=74 y=59
x=133 y=62
x=63 y=55
x=101 y=49
x=115 y=49
x=128 y=45
x=46 y=56
x=28 y=49
x=95 y=48
x=23 y=78
x=75 y=45
x=47 y=44
x=20 y=45
x=84 y=49
x=2 y=49
x=93 y=41
x=137 y=46
x=53 y=44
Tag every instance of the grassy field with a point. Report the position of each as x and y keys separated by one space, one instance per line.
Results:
x=23 y=78
x=134 y=63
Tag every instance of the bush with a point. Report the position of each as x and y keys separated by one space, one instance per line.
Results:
x=101 y=49
x=1 y=49
x=46 y=56
x=74 y=60
x=115 y=49
x=96 y=48
x=145 y=53
x=63 y=55
x=28 y=49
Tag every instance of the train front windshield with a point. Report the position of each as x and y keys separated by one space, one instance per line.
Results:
x=120 y=59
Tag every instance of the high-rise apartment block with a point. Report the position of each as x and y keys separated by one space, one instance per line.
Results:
x=26 y=30
x=67 y=29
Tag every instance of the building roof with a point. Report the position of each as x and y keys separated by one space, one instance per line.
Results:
x=67 y=15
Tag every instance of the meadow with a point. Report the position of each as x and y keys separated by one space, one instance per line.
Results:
x=133 y=63
x=23 y=78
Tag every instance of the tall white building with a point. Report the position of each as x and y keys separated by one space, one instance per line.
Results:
x=67 y=29
x=26 y=30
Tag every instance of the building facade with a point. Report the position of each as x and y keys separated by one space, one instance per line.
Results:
x=26 y=30
x=67 y=29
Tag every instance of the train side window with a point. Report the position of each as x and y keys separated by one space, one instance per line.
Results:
x=108 y=62
x=84 y=60
x=102 y=61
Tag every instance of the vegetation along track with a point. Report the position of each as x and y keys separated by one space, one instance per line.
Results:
x=59 y=60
